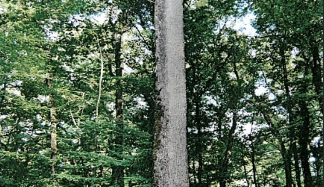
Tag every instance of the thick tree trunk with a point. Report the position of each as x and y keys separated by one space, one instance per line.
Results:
x=170 y=151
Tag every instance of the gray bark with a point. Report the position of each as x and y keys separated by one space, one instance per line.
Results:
x=170 y=151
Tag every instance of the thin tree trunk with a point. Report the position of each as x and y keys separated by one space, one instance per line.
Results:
x=287 y=159
x=318 y=164
x=118 y=171
x=230 y=139
x=194 y=172
x=296 y=164
x=303 y=141
x=315 y=150
x=197 y=120
x=222 y=182
x=170 y=151
x=100 y=81
x=289 y=181
x=304 y=137
x=316 y=72
x=53 y=130
x=244 y=167
x=198 y=144
x=254 y=169
x=253 y=165
x=227 y=153
x=246 y=176
x=199 y=138
x=283 y=151
x=200 y=156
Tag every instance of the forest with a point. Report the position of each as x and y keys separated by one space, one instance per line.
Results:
x=80 y=97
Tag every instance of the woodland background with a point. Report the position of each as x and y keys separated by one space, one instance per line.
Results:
x=77 y=96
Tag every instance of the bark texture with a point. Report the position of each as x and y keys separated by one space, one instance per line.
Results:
x=170 y=151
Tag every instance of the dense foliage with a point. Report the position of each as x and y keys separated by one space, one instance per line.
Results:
x=77 y=97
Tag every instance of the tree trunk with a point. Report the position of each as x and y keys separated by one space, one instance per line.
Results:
x=53 y=130
x=200 y=156
x=199 y=138
x=316 y=73
x=304 y=136
x=286 y=159
x=254 y=169
x=246 y=176
x=230 y=139
x=316 y=151
x=170 y=151
x=227 y=153
x=118 y=171
x=198 y=144
x=303 y=141
x=296 y=164
x=244 y=166
x=288 y=155
x=291 y=128
x=283 y=151
x=253 y=164
x=222 y=182
x=100 y=81
x=194 y=173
